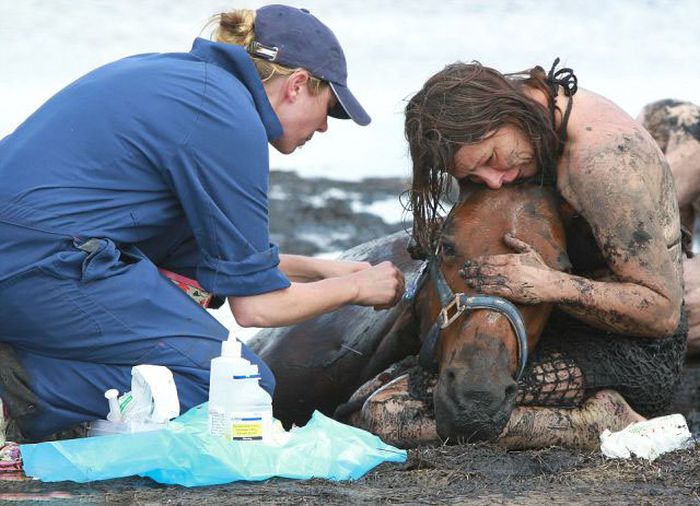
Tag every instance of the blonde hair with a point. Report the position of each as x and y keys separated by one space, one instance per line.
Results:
x=238 y=27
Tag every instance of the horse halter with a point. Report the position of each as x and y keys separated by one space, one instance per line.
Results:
x=453 y=305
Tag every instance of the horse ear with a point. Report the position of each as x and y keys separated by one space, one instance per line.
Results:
x=554 y=253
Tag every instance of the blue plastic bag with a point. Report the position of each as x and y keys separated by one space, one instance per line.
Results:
x=185 y=454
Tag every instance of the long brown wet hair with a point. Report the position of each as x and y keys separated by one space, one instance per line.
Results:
x=464 y=104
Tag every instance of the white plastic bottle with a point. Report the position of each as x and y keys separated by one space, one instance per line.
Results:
x=239 y=408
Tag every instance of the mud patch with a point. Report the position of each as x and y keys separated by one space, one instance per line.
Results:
x=477 y=473
x=474 y=473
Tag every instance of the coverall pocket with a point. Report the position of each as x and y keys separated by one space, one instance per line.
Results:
x=105 y=259
x=42 y=313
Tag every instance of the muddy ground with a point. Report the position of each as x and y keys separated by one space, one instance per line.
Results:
x=477 y=474
x=473 y=473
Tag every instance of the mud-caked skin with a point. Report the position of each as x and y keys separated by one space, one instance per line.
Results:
x=613 y=176
x=616 y=178
x=675 y=126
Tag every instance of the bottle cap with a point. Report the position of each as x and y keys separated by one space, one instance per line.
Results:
x=231 y=348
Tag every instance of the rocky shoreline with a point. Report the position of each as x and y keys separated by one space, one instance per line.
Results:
x=311 y=216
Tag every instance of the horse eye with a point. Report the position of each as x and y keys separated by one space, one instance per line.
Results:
x=448 y=249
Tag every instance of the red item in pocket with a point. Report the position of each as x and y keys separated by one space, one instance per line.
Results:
x=190 y=287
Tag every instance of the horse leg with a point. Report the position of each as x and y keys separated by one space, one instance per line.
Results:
x=536 y=427
x=396 y=405
x=350 y=411
x=399 y=418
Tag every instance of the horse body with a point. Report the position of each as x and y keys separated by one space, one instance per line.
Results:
x=320 y=363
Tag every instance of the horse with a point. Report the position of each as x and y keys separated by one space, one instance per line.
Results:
x=476 y=345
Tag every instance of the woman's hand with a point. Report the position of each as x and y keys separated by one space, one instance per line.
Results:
x=516 y=276
x=380 y=286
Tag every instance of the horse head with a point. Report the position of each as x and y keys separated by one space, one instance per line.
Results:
x=479 y=344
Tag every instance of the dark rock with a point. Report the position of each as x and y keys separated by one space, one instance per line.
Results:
x=309 y=216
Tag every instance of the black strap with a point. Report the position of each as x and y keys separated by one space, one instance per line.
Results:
x=441 y=287
x=565 y=78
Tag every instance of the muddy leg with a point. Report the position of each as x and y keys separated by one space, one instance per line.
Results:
x=398 y=418
x=349 y=411
x=532 y=427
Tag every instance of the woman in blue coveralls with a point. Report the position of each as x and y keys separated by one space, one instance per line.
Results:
x=161 y=161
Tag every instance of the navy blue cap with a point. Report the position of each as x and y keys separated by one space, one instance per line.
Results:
x=295 y=38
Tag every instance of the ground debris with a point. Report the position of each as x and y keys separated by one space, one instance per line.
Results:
x=479 y=473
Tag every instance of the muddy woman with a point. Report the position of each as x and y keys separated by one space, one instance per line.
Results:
x=617 y=336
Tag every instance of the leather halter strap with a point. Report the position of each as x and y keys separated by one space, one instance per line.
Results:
x=453 y=305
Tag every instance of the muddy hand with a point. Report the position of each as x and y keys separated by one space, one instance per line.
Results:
x=519 y=277
x=380 y=286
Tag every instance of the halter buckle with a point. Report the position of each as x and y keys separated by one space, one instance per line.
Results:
x=455 y=306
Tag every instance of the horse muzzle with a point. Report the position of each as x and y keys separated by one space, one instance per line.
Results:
x=469 y=411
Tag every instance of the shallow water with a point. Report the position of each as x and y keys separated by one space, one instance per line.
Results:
x=632 y=51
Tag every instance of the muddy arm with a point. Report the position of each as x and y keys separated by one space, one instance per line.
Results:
x=684 y=160
x=623 y=211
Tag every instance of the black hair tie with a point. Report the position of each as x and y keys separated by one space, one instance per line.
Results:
x=563 y=77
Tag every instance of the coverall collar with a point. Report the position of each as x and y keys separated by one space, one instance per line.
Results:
x=236 y=61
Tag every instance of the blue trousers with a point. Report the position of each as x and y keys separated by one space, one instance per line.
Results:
x=79 y=321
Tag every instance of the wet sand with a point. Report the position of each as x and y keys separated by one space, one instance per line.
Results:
x=478 y=474
x=473 y=473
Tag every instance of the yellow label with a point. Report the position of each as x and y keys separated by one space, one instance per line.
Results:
x=247 y=430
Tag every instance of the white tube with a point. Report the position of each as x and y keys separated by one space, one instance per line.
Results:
x=115 y=414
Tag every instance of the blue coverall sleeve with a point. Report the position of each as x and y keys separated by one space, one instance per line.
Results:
x=220 y=173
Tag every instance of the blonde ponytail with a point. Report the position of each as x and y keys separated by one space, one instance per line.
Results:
x=238 y=27
x=234 y=27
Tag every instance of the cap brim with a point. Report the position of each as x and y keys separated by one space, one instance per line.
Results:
x=348 y=107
